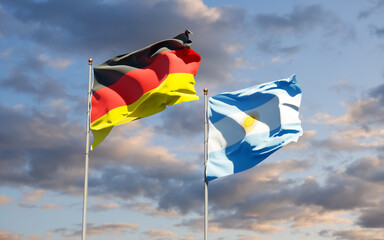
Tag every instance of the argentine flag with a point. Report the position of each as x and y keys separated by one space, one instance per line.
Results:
x=248 y=125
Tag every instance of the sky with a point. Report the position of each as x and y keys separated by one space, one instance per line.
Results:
x=146 y=178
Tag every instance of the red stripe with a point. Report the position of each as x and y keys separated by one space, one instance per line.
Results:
x=139 y=81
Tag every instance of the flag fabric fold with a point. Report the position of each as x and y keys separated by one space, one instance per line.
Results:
x=142 y=83
x=247 y=126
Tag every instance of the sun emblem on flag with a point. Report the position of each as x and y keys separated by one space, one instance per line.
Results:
x=250 y=121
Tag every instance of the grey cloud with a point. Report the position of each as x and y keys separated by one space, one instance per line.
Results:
x=183 y=120
x=364 y=112
x=93 y=229
x=272 y=45
x=379 y=32
x=300 y=20
x=378 y=92
x=291 y=49
x=39 y=150
x=128 y=184
x=266 y=176
x=339 y=193
x=367 y=169
x=358 y=234
x=41 y=86
x=90 y=29
x=49 y=157
x=283 y=200
x=372 y=218
x=46 y=151
x=295 y=25
x=123 y=182
x=33 y=78
x=185 y=197
x=369 y=11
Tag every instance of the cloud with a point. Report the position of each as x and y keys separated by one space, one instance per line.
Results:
x=359 y=234
x=359 y=128
x=248 y=237
x=35 y=83
x=32 y=196
x=5 y=200
x=127 y=165
x=39 y=150
x=56 y=26
x=104 y=206
x=378 y=31
x=304 y=141
x=191 y=9
x=301 y=204
x=183 y=120
x=353 y=139
x=342 y=86
x=97 y=230
x=370 y=169
x=378 y=92
x=55 y=63
x=341 y=192
x=365 y=111
x=6 y=52
x=156 y=234
x=372 y=218
x=7 y=235
x=197 y=225
x=301 y=19
x=371 y=10
x=147 y=208
x=51 y=206
x=361 y=112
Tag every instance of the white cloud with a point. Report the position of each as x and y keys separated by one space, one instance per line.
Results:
x=58 y=63
x=32 y=196
x=161 y=233
x=278 y=59
x=363 y=111
x=112 y=228
x=354 y=139
x=242 y=63
x=303 y=142
x=6 y=52
x=233 y=48
x=147 y=208
x=192 y=8
x=51 y=206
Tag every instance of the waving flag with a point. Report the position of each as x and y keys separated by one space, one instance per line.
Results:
x=248 y=125
x=142 y=83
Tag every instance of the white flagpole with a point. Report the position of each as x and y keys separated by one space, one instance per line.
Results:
x=87 y=151
x=205 y=165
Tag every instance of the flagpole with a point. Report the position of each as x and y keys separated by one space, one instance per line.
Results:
x=205 y=165
x=87 y=151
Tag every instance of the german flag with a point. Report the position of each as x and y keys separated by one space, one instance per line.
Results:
x=142 y=83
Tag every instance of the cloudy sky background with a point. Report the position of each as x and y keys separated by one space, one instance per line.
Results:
x=146 y=179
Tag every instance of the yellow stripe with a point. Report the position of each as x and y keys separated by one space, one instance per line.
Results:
x=176 y=88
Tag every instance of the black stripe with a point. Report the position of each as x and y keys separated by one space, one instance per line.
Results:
x=112 y=70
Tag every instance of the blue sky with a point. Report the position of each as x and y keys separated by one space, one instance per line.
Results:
x=146 y=179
